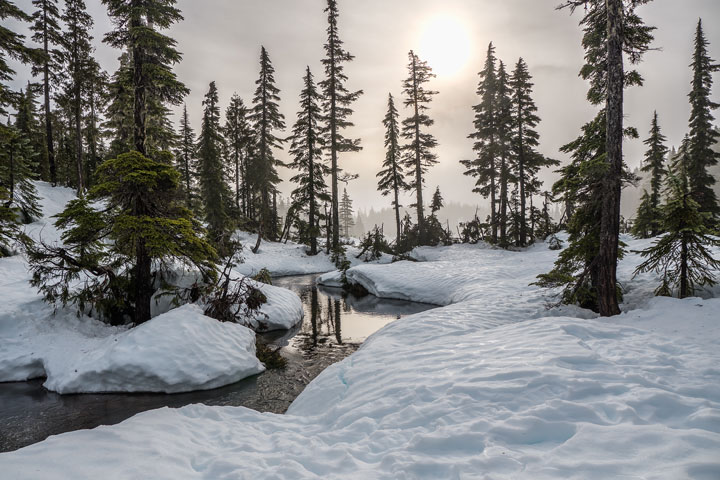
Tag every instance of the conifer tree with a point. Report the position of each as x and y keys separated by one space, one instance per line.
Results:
x=238 y=135
x=306 y=152
x=337 y=107
x=485 y=166
x=96 y=101
x=12 y=46
x=437 y=202
x=215 y=194
x=703 y=135
x=347 y=220
x=418 y=155
x=77 y=55
x=392 y=177
x=648 y=221
x=527 y=161
x=152 y=55
x=682 y=256
x=46 y=32
x=17 y=170
x=266 y=118
x=505 y=130
x=28 y=126
x=593 y=182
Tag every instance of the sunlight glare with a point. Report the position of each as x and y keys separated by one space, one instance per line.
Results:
x=445 y=45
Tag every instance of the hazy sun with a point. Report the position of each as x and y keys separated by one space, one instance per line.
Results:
x=445 y=45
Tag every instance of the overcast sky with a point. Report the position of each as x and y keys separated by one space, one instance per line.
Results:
x=220 y=40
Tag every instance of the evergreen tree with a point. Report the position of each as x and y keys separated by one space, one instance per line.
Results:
x=306 y=151
x=11 y=47
x=214 y=190
x=238 y=135
x=337 y=106
x=484 y=166
x=96 y=100
x=17 y=170
x=527 y=161
x=46 y=32
x=266 y=118
x=418 y=155
x=139 y=205
x=77 y=55
x=119 y=111
x=682 y=256
x=437 y=202
x=593 y=182
x=346 y=214
x=703 y=135
x=28 y=126
x=648 y=221
x=152 y=55
x=505 y=131
x=392 y=177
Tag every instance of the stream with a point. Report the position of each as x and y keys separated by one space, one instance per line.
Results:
x=334 y=327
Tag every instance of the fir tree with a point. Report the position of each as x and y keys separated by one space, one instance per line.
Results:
x=527 y=161
x=152 y=55
x=703 y=135
x=682 y=256
x=77 y=55
x=266 y=118
x=484 y=166
x=95 y=99
x=337 y=106
x=17 y=170
x=504 y=125
x=28 y=126
x=46 y=32
x=437 y=202
x=100 y=245
x=418 y=154
x=648 y=221
x=238 y=135
x=346 y=214
x=11 y=47
x=306 y=152
x=392 y=177
x=215 y=194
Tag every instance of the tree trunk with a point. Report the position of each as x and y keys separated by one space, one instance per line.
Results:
x=684 y=284
x=46 y=91
x=418 y=165
x=521 y=172
x=610 y=216
x=78 y=134
x=397 y=214
x=311 y=194
x=503 y=201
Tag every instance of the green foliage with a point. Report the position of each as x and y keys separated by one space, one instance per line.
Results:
x=373 y=245
x=391 y=179
x=263 y=276
x=648 y=219
x=682 y=256
x=186 y=161
x=133 y=203
x=17 y=170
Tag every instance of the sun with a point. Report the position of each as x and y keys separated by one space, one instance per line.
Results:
x=445 y=45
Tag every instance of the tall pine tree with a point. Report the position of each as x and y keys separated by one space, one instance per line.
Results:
x=648 y=220
x=186 y=160
x=703 y=134
x=306 y=152
x=418 y=155
x=238 y=135
x=347 y=220
x=392 y=177
x=337 y=106
x=505 y=130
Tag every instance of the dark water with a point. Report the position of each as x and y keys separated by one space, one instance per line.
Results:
x=333 y=328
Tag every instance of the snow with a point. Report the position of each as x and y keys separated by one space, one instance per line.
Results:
x=178 y=350
x=491 y=386
x=284 y=259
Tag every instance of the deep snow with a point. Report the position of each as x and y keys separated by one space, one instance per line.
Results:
x=491 y=386
x=179 y=350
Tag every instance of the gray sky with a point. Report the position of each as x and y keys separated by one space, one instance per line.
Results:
x=220 y=41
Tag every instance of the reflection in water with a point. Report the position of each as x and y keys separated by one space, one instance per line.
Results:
x=334 y=325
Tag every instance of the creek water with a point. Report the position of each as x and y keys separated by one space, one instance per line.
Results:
x=334 y=326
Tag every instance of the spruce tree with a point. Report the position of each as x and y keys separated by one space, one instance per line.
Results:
x=12 y=46
x=593 y=182
x=77 y=55
x=18 y=162
x=213 y=188
x=238 y=135
x=346 y=214
x=46 y=32
x=703 y=134
x=392 y=177
x=527 y=161
x=152 y=55
x=96 y=100
x=306 y=152
x=337 y=107
x=648 y=221
x=418 y=155
x=437 y=202
x=485 y=165
x=505 y=131
x=682 y=256
x=266 y=118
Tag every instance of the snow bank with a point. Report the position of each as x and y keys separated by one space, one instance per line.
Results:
x=482 y=388
x=283 y=259
x=178 y=351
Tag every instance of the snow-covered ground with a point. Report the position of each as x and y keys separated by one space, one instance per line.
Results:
x=282 y=259
x=178 y=350
x=491 y=386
